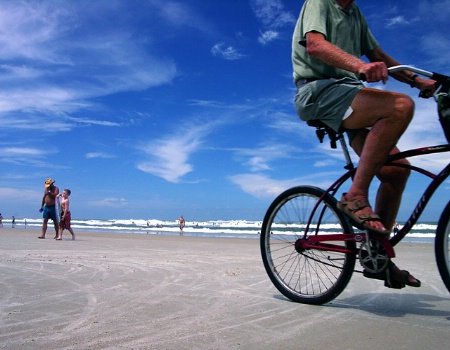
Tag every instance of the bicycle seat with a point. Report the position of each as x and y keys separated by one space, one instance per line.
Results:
x=322 y=129
x=317 y=123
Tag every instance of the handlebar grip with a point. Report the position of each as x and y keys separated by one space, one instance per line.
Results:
x=362 y=77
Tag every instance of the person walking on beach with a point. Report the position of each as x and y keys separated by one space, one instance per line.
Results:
x=1 y=220
x=329 y=39
x=396 y=227
x=64 y=222
x=48 y=208
x=181 y=223
x=13 y=222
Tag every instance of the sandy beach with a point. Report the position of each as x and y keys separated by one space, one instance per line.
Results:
x=118 y=291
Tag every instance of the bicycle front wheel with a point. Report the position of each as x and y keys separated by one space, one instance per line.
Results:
x=310 y=276
x=442 y=246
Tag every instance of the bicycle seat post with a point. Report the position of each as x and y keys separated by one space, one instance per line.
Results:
x=349 y=164
x=322 y=130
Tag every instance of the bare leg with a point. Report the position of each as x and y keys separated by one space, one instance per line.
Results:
x=393 y=181
x=59 y=236
x=44 y=228
x=389 y=194
x=373 y=148
x=388 y=114
x=72 y=233
x=55 y=224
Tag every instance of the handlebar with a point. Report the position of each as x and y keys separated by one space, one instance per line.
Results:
x=439 y=78
x=411 y=69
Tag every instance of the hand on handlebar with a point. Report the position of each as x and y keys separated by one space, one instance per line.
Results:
x=427 y=87
x=374 y=72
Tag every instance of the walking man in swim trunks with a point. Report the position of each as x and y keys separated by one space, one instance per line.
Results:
x=329 y=40
x=48 y=206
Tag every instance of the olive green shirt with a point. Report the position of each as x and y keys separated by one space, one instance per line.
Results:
x=346 y=29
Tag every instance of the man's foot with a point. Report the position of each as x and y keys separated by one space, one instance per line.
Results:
x=393 y=277
x=361 y=214
x=41 y=237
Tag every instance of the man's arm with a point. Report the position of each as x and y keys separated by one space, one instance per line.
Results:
x=54 y=192
x=377 y=55
x=318 y=47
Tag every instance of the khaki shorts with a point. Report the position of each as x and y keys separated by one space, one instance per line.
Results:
x=327 y=100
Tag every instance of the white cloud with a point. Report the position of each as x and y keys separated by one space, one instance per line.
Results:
x=111 y=202
x=267 y=37
x=21 y=151
x=169 y=157
x=226 y=52
x=273 y=16
x=26 y=156
x=263 y=187
x=258 y=159
x=92 y=155
x=398 y=20
x=14 y=195
x=272 y=13
x=53 y=63
x=260 y=186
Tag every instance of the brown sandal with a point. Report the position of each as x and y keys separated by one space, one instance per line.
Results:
x=396 y=280
x=351 y=207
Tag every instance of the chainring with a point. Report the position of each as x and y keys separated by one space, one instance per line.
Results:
x=373 y=256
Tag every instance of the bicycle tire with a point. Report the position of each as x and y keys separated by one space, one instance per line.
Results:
x=442 y=246
x=312 y=276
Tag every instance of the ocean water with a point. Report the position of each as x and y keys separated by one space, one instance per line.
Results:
x=421 y=232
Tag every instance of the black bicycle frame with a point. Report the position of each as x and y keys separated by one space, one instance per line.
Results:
x=437 y=180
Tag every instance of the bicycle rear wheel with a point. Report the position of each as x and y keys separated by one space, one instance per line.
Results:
x=442 y=246
x=309 y=276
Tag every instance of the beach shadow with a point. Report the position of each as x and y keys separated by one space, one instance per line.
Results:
x=387 y=304
x=394 y=304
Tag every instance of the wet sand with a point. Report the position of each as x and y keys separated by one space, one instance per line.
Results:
x=117 y=291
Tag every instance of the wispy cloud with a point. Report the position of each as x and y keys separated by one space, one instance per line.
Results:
x=93 y=155
x=226 y=52
x=273 y=17
x=263 y=187
x=179 y=14
x=272 y=13
x=259 y=159
x=53 y=64
x=268 y=37
x=396 y=21
x=110 y=202
x=21 y=151
x=25 y=155
x=10 y=195
x=169 y=157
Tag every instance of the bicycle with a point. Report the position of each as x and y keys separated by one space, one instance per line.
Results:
x=309 y=247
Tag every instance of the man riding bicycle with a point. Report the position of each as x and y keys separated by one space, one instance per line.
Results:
x=329 y=39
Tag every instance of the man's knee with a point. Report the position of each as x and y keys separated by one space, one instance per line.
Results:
x=403 y=107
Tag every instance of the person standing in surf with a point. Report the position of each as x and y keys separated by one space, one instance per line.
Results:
x=48 y=208
x=181 y=222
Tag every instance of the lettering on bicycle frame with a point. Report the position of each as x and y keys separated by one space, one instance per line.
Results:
x=417 y=211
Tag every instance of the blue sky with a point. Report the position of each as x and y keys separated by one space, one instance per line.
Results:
x=154 y=108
